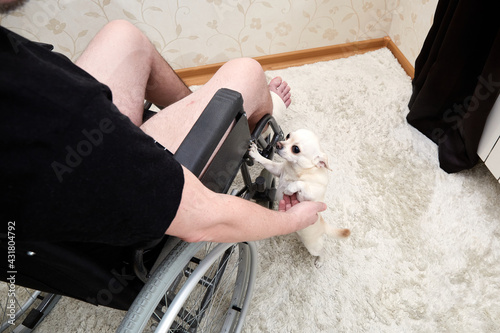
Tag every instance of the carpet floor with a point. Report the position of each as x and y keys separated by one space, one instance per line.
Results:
x=424 y=250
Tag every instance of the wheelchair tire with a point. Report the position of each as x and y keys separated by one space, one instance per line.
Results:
x=199 y=287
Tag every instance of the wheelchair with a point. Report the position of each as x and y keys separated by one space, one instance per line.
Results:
x=168 y=285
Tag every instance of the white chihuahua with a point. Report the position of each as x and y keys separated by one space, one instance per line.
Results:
x=305 y=172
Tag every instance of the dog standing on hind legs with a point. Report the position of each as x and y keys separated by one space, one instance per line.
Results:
x=304 y=172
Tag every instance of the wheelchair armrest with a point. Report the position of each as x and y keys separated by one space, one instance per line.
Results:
x=208 y=131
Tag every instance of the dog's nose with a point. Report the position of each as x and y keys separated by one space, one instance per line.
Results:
x=279 y=145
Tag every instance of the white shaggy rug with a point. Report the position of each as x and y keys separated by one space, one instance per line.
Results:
x=424 y=254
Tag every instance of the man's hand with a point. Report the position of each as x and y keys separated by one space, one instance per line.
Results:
x=214 y=217
x=306 y=211
x=287 y=202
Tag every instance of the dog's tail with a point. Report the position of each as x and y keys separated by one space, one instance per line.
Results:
x=335 y=232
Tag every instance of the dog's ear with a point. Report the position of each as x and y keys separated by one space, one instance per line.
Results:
x=321 y=161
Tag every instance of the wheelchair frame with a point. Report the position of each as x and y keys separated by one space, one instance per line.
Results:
x=182 y=269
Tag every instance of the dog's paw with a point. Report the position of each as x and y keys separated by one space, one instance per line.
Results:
x=318 y=262
x=292 y=188
x=253 y=151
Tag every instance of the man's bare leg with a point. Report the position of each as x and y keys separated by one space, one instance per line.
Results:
x=171 y=125
x=121 y=57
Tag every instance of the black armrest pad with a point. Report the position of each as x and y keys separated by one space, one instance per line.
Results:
x=200 y=143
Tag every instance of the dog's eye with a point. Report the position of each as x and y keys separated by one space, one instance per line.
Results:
x=288 y=136
x=295 y=149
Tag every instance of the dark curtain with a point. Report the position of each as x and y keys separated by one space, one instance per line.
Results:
x=457 y=79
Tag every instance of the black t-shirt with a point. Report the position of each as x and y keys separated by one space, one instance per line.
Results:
x=72 y=167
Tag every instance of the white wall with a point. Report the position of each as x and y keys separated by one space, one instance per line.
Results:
x=410 y=25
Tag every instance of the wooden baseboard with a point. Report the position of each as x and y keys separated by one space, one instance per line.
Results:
x=405 y=63
x=201 y=74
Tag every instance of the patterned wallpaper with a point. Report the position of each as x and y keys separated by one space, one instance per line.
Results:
x=410 y=25
x=197 y=32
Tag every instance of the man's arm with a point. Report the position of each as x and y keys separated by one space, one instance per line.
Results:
x=204 y=215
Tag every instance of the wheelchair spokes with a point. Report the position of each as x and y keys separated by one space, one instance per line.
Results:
x=191 y=316
x=218 y=295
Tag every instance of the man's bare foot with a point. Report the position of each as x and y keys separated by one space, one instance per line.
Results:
x=282 y=89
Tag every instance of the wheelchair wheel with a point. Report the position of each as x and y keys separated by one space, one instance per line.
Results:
x=199 y=287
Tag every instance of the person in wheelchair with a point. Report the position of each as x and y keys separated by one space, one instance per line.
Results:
x=78 y=164
x=89 y=189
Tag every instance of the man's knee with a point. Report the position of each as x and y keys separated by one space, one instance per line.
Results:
x=119 y=27
x=244 y=75
x=125 y=33
x=245 y=65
